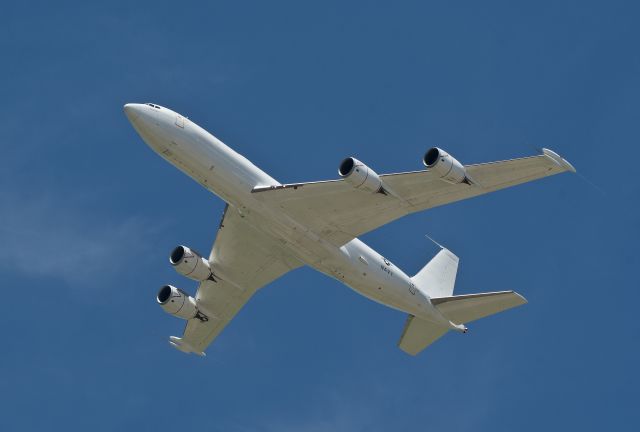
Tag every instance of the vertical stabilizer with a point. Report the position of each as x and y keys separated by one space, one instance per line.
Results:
x=438 y=277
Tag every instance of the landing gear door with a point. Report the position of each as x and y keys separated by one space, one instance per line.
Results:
x=180 y=121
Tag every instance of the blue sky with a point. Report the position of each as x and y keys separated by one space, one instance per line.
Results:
x=90 y=214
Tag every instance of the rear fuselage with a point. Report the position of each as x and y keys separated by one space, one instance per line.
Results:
x=232 y=177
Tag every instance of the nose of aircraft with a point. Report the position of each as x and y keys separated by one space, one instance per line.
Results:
x=132 y=111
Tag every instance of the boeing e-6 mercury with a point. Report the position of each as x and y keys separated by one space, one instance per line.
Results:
x=269 y=229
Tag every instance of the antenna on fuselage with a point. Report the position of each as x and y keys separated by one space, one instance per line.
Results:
x=429 y=237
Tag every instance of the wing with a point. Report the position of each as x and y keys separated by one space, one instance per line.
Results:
x=243 y=259
x=338 y=212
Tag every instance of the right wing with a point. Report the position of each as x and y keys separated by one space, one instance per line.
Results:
x=338 y=212
x=243 y=259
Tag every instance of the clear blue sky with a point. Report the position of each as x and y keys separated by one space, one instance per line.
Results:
x=89 y=214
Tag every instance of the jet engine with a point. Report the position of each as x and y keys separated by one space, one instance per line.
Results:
x=178 y=303
x=190 y=264
x=446 y=166
x=360 y=176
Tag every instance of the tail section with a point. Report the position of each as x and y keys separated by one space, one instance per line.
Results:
x=438 y=277
x=419 y=333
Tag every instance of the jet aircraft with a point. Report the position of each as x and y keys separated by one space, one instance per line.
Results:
x=269 y=228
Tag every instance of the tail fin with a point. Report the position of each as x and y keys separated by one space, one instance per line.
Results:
x=438 y=277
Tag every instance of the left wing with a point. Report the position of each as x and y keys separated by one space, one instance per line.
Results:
x=243 y=259
x=339 y=212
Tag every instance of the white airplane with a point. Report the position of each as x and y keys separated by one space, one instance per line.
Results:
x=269 y=228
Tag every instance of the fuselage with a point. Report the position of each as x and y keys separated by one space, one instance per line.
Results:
x=232 y=177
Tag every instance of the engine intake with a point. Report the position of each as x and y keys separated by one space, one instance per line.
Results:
x=360 y=176
x=191 y=264
x=446 y=166
x=178 y=303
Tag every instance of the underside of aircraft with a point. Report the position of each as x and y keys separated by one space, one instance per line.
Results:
x=269 y=228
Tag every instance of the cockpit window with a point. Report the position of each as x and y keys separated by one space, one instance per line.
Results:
x=153 y=106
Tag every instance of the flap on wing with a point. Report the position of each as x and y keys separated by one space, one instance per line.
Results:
x=334 y=209
x=466 y=308
x=419 y=334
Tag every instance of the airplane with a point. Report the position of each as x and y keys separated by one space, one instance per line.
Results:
x=269 y=228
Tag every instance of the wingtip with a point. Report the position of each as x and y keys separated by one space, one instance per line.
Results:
x=181 y=345
x=559 y=160
x=522 y=299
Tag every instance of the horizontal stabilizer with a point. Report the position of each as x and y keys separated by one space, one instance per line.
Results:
x=470 y=307
x=419 y=334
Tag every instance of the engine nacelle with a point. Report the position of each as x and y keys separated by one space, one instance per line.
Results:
x=178 y=303
x=360 y=176
x=190 y=264
x=445 y=165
